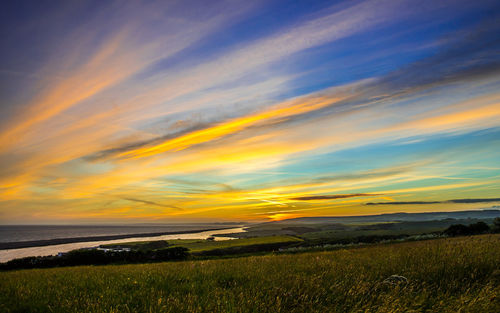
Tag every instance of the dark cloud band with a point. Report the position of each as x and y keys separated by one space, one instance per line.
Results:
x=435 y=202
x=152 y=203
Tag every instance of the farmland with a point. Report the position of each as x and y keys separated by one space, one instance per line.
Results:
x=444 y=275
x=198 y=245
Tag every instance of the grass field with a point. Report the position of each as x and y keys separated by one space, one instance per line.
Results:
x=199 y=245
x=444 y=275
x=333 y=231
x=204 y=245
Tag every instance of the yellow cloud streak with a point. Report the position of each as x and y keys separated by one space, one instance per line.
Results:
x=230 y=127
x=213 y=157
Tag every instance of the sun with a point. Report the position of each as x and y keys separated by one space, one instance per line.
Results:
x=282 y=216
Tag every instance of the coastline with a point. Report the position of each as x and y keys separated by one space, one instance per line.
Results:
x=58 y=241
x=10 y=254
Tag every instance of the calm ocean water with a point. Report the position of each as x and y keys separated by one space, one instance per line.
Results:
x=18 y=233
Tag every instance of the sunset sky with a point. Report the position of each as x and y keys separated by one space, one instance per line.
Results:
x=182 y=111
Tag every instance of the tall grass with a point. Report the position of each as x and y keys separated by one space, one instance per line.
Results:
x=444 y=275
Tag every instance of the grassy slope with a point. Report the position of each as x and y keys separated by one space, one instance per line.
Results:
x=445 y=275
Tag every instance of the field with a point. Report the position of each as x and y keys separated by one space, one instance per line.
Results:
x=198 y=245
x=444 y=275
x=353 y=229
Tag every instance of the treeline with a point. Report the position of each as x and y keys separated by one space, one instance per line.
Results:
x=97 y=257
x=250 y=249
x=452 y=231
x=363 y=239
x=473 y=229
x=144 y=246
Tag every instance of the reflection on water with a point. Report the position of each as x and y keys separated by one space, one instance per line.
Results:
x=9 y=254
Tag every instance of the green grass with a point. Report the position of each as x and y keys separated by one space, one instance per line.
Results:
x=199 y=245
x=339 y=234
x=444 y=275
x=333 y=231
x=140 y=245
x=206 y=245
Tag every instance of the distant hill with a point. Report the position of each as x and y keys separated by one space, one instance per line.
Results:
x=395 y=217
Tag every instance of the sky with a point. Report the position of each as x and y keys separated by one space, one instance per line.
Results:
x=196 y=111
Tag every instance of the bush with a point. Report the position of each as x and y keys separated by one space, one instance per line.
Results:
x=97 y=257
x=457 y=230
x=496 y=225
x=462 y=230
x=479 y=228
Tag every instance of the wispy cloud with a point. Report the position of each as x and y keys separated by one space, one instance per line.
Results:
x=475 y=54
x=330 y=197
x=152 y=203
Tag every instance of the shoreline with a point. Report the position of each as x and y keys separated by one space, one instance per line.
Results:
x=58 y=241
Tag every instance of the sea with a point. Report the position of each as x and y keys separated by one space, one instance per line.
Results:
x=20 y=233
